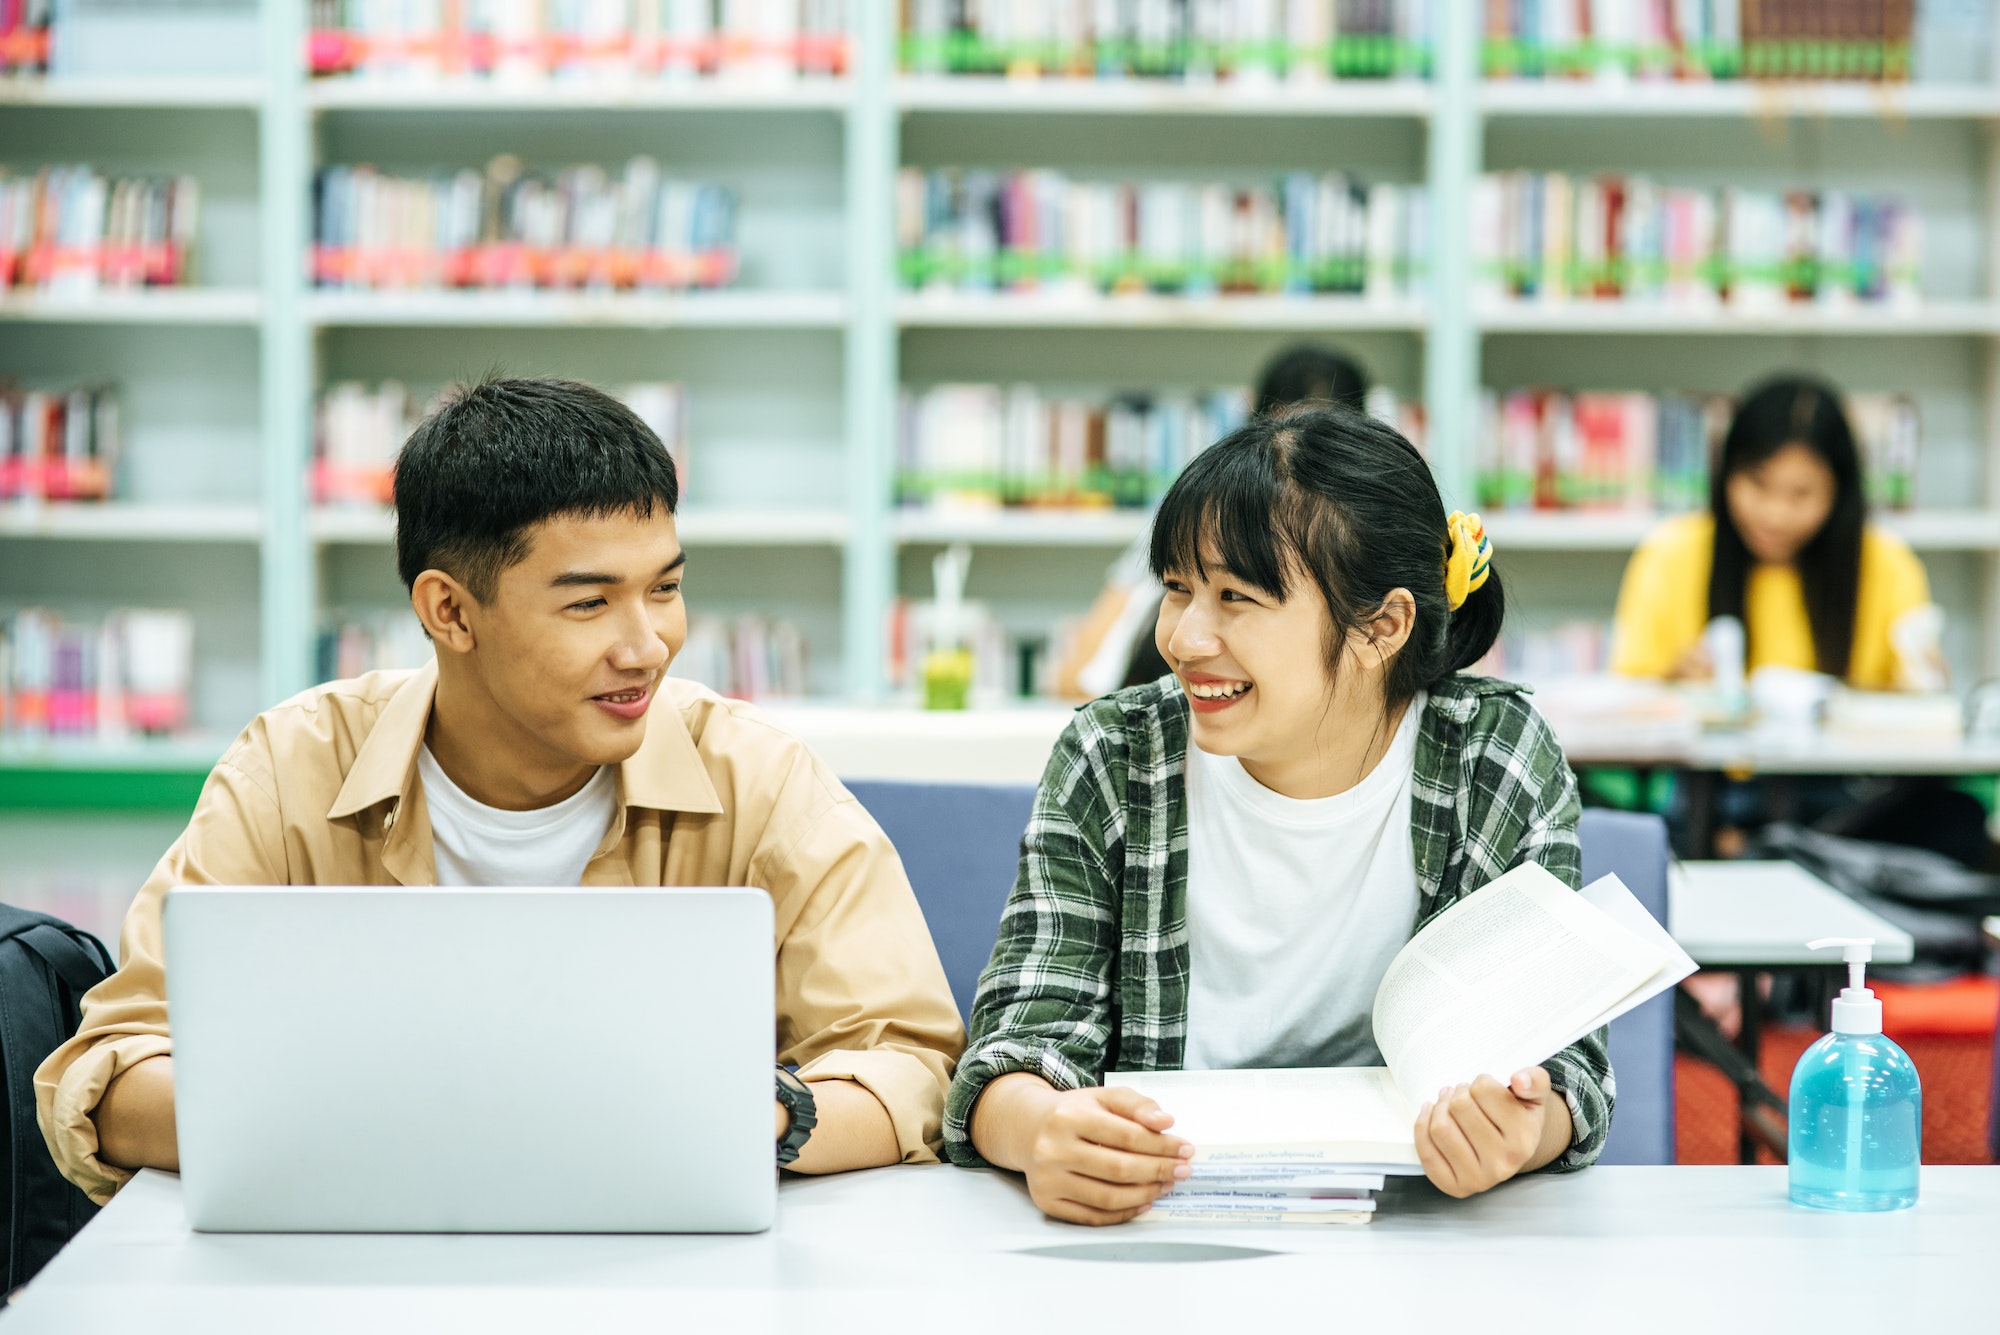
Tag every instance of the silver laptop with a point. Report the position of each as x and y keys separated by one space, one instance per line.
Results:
x=473 y=1060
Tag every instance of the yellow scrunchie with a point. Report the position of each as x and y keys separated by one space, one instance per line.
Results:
x=1470 y=559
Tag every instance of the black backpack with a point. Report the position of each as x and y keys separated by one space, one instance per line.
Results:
x=46 y=966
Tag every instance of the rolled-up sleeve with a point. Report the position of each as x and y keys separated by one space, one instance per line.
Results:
x=861 y=994
x=232 y=839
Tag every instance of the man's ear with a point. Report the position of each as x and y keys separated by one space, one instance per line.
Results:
x=446 y=609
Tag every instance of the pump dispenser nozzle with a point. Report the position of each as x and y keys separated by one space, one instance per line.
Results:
x=1856 y=1010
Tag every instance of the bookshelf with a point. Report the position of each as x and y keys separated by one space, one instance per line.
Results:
x=794 y=373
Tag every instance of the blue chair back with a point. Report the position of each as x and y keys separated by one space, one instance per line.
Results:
x=1633 y=847
x=961 y=845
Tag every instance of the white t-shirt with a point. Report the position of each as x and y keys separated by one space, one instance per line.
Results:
x=1295 y=909
x=480 y=845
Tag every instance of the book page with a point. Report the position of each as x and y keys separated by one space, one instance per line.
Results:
x=1344 y=1115
x=1504 y=979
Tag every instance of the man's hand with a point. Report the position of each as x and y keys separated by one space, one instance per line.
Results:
x=1102 y=1156
x=1476 y=1136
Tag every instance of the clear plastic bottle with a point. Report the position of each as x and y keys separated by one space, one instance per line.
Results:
x=1857 y=1107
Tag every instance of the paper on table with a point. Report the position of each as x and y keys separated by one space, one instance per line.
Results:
x=1255 y=1117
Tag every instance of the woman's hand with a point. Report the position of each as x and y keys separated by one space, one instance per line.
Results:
x=1091 y=1156
x=1473 y=1137
x=1697 y=664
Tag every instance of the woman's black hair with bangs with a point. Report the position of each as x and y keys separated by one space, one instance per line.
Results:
x=1344 y=498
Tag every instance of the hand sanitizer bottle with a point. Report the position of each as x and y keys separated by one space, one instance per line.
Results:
x=1857 y=1116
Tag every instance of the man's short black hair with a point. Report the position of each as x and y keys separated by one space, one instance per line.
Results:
x=502 y=455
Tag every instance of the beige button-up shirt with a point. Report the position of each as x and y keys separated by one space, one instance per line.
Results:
x=323 y=790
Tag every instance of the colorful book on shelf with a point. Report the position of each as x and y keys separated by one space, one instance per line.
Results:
x=1868 y=40
x=24 y=36
x=510 y=228
x=1039 y=229
x=70 y=231
x=524 y=42
x=58 y=445
x=131 y=673
x=1241 y=42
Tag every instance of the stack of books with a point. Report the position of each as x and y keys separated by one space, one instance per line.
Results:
x=24 y=36
x=359 y=429
x=129 y=674
x=510 y=227
x=1546 y=449
x=58 y=445
x=1499 y=982
x=1039 y=229
x=1238 y=41
x=528 y=42
x=1719 y=39
x=1545 y=236
x=68 y=231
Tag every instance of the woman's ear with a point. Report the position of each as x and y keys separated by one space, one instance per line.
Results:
x=1393 y=623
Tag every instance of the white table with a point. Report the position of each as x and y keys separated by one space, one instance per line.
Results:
x=931 y=746
x=1750 y=914
x=947 y=1250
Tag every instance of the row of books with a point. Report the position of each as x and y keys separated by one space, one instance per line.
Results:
x=532 y=41
x=513 y=227
x=358 y=430
x=68 y=230
x=1240 y=41
x=128 y=675
x=1548 y=449
x=1546 y=236
x=746 y=657
x=58 y=445
x=983 y=446
x=1573 y=648
x=982 y=231
x=1699 y=39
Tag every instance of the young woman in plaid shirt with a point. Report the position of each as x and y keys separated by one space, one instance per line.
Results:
x=1221 y=863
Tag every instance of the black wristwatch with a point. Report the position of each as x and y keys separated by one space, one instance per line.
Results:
x=797 y=1096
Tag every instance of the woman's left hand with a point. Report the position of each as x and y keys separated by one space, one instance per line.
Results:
x=1476 y=1136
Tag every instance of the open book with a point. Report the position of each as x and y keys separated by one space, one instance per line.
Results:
x=1504 y=979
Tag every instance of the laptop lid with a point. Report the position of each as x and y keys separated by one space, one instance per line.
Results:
x=473 y=1060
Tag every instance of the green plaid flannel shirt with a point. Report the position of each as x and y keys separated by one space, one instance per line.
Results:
x=1090 y=972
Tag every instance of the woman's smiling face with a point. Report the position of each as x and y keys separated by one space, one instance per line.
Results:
x=1255 y=668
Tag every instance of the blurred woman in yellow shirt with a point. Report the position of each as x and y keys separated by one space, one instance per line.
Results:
x=1785 y=549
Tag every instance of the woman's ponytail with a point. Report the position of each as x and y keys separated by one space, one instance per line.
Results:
x=1474 y=626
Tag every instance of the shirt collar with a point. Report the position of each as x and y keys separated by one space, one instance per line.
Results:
x=665 y=774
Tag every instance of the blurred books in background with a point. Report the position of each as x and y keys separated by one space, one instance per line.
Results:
x=24 y=36
x=68 y=231
x=1545 y=449
x=1718 y=39
x=358 y=430
x=577 y=227
x=746 y=657
x=1235 y=41
x=58 y=445
x=623 y=41
x=1037 y=229
x=355 y=643
x=106 y=682
x=1549 y=237
x=979 y=447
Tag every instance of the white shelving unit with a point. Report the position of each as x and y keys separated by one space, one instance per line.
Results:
x=794 y=374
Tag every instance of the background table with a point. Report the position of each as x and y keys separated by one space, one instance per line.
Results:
x=950 y=1250
x=1752 y=917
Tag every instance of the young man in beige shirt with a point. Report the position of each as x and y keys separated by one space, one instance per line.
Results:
x=536 y=533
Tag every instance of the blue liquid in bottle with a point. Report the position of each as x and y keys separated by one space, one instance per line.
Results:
x=1857 y=1119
